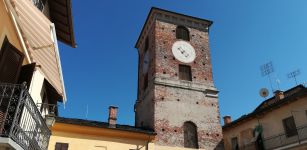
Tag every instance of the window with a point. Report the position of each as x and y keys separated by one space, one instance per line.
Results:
x=289 y=126
x=190 y=135
x=146 y=44
x=61 y=146
x=234 y=143
x=185 y=73
x=182 y=33
x=145 y=81
x=10 y=62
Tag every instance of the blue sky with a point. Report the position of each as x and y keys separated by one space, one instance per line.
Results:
x=102 y=71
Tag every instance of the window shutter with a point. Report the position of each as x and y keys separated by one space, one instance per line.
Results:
x=185 y=73
x=64 y=146
x=61 y=146
x=190 y=135
x=289 y=126
x=26 y=74
x=10 y=62
x=58 y=146
x=182 y=33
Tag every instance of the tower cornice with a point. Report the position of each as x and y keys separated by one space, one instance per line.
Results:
x=165 y=15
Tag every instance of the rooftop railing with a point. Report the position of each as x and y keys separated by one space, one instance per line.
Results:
x=283 y=140
x=20 y=118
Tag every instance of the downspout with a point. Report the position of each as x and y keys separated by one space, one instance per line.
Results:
x=13 y=15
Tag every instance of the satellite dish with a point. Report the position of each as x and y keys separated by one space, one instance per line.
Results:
x=264 y=92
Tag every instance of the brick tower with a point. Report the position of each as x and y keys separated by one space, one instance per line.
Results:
x=176 y=94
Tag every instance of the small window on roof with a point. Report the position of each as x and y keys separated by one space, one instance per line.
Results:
x=182 y=33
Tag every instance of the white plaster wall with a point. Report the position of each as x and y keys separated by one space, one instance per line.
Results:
x=36 y=86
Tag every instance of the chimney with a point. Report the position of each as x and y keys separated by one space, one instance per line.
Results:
x=279 y=95
x=227 y=120
x=112 y=116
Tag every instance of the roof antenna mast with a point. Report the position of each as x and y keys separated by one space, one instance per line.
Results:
x=294 y=74
x=266 y=70
x=86 y=112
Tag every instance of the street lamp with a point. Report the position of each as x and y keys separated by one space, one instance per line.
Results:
x=50 y=120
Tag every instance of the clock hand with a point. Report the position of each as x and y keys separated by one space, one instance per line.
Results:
x=186 y=55
x=181 y=50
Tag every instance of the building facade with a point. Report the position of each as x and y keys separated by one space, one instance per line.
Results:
x=79 y=134
x=176 y=93
x=279 y=122
x=31 y=80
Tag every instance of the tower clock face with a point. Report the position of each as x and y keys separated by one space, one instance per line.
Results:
x=146 y=62
x=183 y=51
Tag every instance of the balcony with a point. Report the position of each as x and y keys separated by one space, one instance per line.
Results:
x=282 y=140
x=20 y=119
x=40 y=4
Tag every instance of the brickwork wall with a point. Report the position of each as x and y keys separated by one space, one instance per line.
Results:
x=164 y=107
x=167 y=65
x=175 y=105
x=144 y=116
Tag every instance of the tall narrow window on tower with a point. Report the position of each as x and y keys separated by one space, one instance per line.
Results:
x=185 y=73
x=190 y=135
x=182 y=33
x=146 y=63
x=145 y=81
x=146 y=44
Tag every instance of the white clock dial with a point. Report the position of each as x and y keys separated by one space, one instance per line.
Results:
x=146 y=62
x=183 y=51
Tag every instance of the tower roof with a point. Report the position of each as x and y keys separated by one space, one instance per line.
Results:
x=155 y=10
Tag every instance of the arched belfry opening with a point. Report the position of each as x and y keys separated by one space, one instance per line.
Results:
x=190 y=135
x=182 y=33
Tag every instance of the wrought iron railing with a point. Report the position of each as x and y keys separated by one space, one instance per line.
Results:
x=40 y=4
x=20 y=119
x=282 y=139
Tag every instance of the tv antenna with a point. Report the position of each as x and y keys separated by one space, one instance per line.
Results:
x=294 y=74
x=266 y=70
x=86 y=114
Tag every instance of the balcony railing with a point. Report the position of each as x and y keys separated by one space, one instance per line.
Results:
x=20 y=119
x=282 y=139
x=40 y=4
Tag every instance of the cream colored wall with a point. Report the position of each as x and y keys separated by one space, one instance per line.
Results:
x=157 y=147
x=91 y=142
x=36 y=86
x=7 y=28
x=271 y=122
